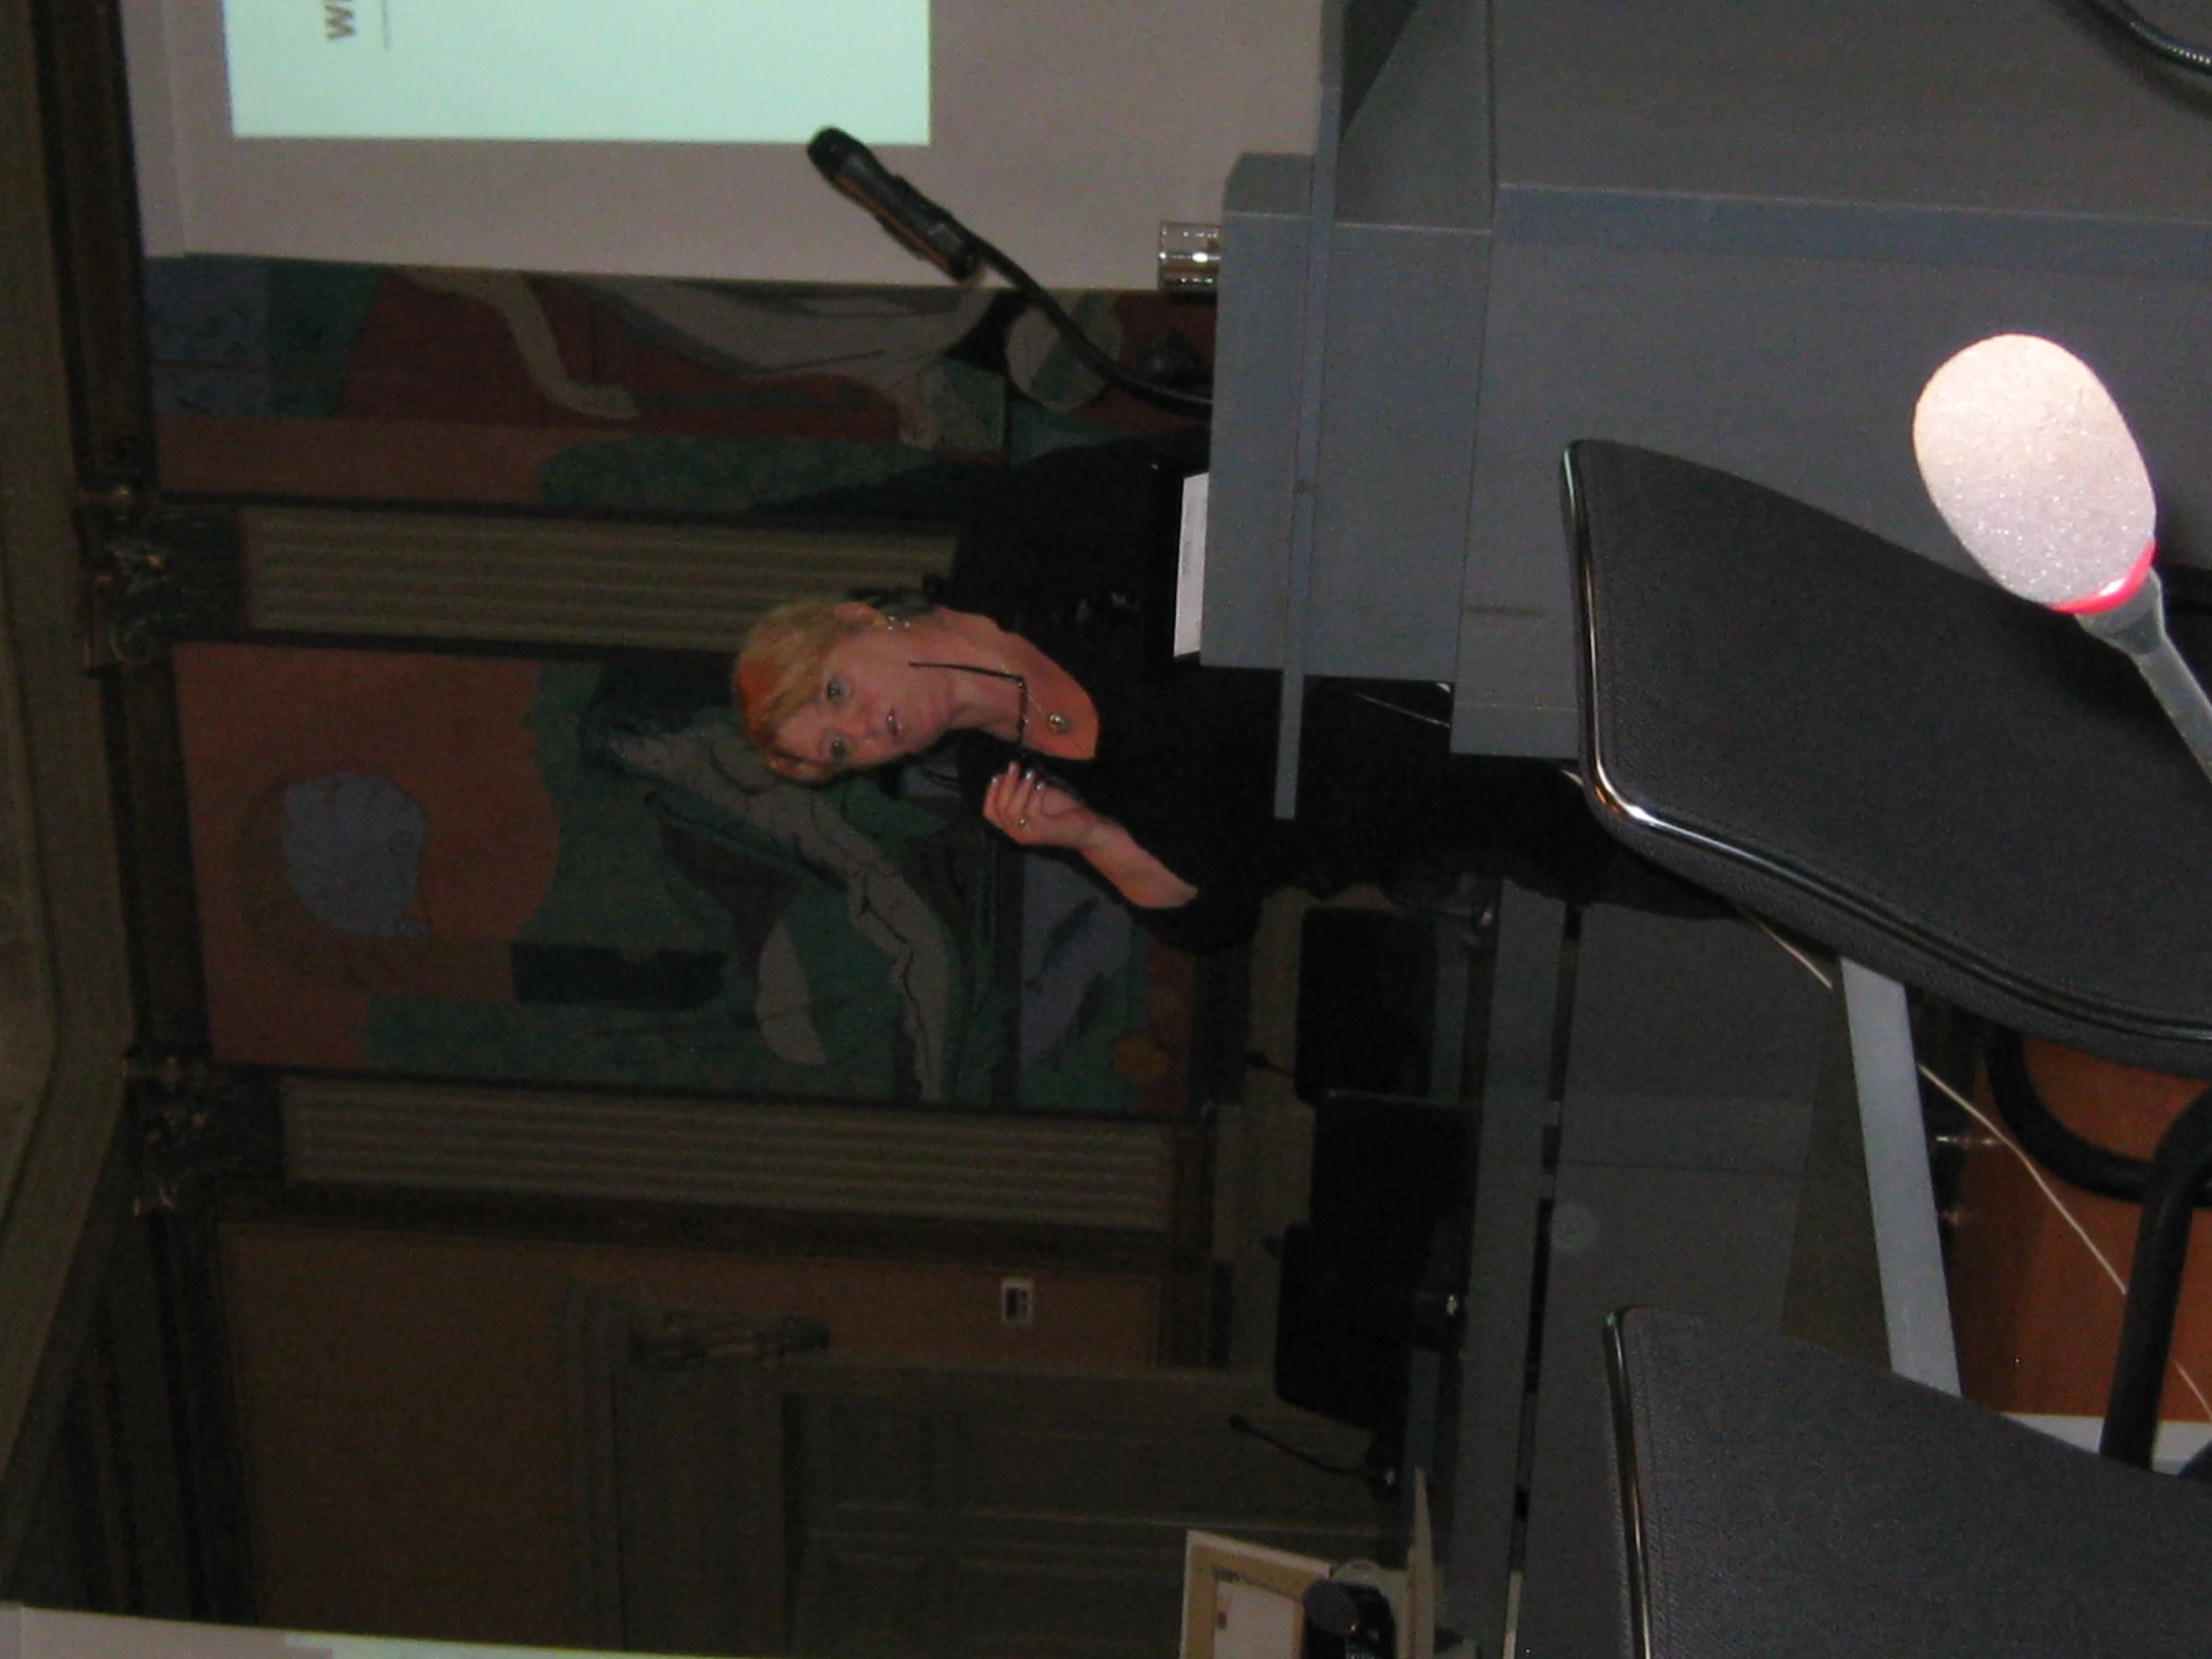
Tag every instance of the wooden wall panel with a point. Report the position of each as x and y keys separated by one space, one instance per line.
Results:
x=404 y=1408
x=2038 y=1319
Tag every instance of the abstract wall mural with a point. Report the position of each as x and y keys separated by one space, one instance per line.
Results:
x=315 y=380
x=575 y=872
x=578 y=873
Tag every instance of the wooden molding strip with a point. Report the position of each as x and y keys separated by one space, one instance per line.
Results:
x=1113 y=1174
x=551 y=581
x=65 y=984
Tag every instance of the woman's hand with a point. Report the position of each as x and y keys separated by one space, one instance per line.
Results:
x=1032 y=812
x=1029 y=811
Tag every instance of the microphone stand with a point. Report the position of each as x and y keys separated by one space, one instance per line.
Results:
x=929 y=232
x=2137 y=626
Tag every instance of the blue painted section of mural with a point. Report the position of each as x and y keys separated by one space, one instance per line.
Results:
x=253 y=337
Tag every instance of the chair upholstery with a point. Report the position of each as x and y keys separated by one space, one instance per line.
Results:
x=1964 y=792
x=1780 y=1500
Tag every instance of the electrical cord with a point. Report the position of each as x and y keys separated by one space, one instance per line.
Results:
x=2140 y=30
x=2050 y=1195
x=1165 y=397
x=2001 y=1137
x=1245 y=1425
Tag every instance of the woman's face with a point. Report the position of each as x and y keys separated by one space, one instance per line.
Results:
x=872 y=705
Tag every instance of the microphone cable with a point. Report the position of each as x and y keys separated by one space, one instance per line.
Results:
x=1242 y=1425
x=1164 y=397
x=2142 y=32
x=929 y=232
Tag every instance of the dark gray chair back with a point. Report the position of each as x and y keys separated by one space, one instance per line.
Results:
x=1960 y=791
x=1782 y=1502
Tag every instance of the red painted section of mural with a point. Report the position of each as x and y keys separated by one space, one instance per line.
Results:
x=449 y=734
x=347 y=459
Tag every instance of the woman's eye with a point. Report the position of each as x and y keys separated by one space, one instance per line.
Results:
x=837 y=752
x=834 y=692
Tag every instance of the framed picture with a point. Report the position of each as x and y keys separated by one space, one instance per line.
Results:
x=1243 y=1600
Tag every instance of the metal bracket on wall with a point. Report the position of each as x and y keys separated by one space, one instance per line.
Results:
x=679 y=1341
x=153 y=575
x=1189 y=259
x=199 y=1123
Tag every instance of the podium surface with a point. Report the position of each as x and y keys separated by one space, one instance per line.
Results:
x=1743 y=235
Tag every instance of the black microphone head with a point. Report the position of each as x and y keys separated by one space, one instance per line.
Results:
x=909 y=218
x=831 y=149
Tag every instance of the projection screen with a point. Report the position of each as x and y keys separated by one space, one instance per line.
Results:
x=663 y=137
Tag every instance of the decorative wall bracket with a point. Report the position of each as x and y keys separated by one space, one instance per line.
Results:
x=678 y=1341
x=199 y=1124
x=154 y=575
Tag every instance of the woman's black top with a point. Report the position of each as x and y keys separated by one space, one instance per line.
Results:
x=1071 y=554
x=1062 y=555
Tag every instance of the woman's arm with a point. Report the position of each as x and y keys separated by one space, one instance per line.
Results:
x=1033 y=812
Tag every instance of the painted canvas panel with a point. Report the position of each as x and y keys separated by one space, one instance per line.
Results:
x=578 y=873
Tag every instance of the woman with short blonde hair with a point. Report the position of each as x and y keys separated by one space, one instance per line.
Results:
x=1077 y=738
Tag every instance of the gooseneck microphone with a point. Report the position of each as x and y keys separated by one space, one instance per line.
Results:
x=2032 y=466
x=927 y=231
x=909 y=218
